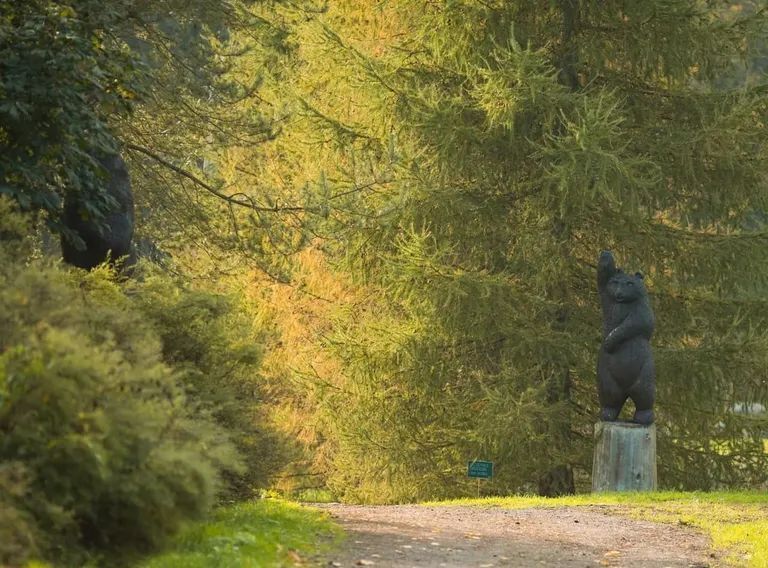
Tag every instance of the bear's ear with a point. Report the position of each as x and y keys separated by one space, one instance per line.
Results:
x=639 y=275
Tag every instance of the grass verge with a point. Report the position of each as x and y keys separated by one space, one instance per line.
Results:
x=261 y=534
x=736 y=522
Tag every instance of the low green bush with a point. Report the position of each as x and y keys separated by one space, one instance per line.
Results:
x=102 y=451
x=210 y=339
x=18 y=538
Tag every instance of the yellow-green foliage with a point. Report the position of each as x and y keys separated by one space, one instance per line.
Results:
x=100 y=450
x=258 y=534
x=211 y=341
x=17 y=531
x=470 y=161
x=12 y=225
x=737 y=522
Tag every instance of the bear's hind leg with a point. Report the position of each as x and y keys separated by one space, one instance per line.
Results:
x=612 y=397
x=610 y=413
x=644 y=417
x=643 y=394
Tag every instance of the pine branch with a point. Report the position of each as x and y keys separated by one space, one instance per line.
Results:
x=248 y=203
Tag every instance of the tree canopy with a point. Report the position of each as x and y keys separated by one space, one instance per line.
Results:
x=479 y=155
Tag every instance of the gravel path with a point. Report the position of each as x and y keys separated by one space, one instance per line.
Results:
x=453 y=537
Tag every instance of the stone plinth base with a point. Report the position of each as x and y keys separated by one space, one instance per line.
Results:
x=625 y=457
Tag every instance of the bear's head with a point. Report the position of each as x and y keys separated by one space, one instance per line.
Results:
x=626 y=288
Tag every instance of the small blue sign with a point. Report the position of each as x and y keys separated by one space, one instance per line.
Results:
x=478 y=468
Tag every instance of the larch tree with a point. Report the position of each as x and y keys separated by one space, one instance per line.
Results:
x=472 y=158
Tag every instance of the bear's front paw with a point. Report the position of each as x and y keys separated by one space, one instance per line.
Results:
x=610 y=344
x=606 y=258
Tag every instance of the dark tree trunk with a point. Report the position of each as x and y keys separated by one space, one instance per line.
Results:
x=559 y=480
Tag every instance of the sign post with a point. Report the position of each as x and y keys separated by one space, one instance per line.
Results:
x=479 y=470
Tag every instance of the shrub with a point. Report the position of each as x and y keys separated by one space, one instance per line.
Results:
x=100 y=450
x=18 y=538
x=212 y=342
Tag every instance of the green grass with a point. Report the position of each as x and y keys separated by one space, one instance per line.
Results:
x=263 y=533
x=313 y=496
x=736 y=522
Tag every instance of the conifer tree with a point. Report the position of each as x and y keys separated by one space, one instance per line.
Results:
x=474 y=158
x=169 y=84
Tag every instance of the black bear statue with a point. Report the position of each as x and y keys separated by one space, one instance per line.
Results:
x=110 y=239
x=625 y=367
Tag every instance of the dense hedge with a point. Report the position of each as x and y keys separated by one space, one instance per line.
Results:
x=212 y=342
x=120 y=407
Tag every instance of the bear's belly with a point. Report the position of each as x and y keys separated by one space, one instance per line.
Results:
x=626 y=363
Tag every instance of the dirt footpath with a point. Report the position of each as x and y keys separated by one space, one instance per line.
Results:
x=408 y=535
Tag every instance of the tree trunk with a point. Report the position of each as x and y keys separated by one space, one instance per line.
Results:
x=557 y=481
x=625 y=457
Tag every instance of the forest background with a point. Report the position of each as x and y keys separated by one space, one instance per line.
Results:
x=369 y=234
